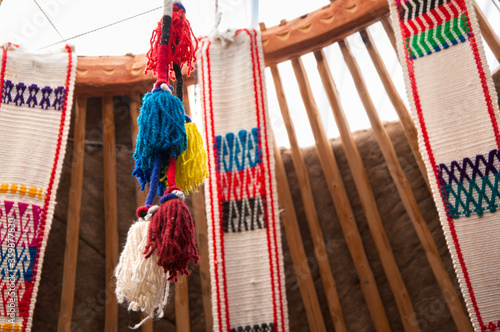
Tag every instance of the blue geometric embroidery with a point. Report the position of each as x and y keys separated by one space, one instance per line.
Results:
x=19 y=100
x=22 y=265
x=238 y=152
x=45 y=103
x=36 y=97
x=32 y=101
x=474 y=196
x=6 y=93
x=467 y=170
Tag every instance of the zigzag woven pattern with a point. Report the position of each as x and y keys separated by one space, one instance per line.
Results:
x=454 y=105
x=246 y=264
x=34 y=122
x=431 y=25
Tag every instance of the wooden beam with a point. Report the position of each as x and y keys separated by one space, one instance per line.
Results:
x=73 y=219
x=397 y=103
x=312 y=219
x=182 y=305
x=135 y=104
x=181 y=287
x=320 y=28
x=407 y=197
x=98 y=76
x=124 y=75
x=200 y=221
x=488 y=33
x=340 y=200
x=110 y=212
x=367 y=199
x=299 y=258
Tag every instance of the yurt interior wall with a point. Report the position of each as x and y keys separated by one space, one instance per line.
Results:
x=363 y=246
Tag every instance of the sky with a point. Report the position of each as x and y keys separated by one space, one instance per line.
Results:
x=22 y=22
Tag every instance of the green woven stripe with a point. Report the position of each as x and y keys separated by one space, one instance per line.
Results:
x=472 y=197
x=444 y=33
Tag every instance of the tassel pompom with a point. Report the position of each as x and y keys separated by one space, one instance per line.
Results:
x=191 y=165
x=182 y=45
x=171 y=235
x=141 y=282
x=161 y=132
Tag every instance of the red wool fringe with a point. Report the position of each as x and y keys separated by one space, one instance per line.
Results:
x=182 y=45
x=171 y=232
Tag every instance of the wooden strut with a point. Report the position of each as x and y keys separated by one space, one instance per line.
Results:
x=406 y=194
x=110 y=212
x=310 y=211
x=400 y=108
x=135 y=105
x=367 y=199
x=299 y=258
x=181 y=287
x=488 y=33
x=337 y=191
x=74 y=213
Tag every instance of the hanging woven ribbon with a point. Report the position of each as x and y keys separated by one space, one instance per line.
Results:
x=455 y=109
x=246 y=263
x=35 y=112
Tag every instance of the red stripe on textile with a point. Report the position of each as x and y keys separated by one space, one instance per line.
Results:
x=423 y=128
x=271 y=267
x=482 y=75
x=29 y=292
x=210 y=172
x=491 y=111
x=219 y=193
x=4 y=65
x=261 y=79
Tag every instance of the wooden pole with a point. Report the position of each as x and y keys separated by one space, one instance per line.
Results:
x=406 y=194
x=73 y=219
x=367 y=199
x=181 y=287
x=488 y=33
x=200 y=221
x=397 y=102
x=135 y=105
x=299 y=258
x=110 y=212
x=386 y=23
x=339 y=197
x=312 y=220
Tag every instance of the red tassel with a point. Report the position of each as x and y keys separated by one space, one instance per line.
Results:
x=171 y=232
x=182 y=45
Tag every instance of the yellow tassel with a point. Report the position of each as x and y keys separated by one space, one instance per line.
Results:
x=191 y=167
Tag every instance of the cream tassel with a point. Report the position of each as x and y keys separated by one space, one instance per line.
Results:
x=141 y=282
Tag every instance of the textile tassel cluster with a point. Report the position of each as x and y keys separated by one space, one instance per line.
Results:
x=171 y=158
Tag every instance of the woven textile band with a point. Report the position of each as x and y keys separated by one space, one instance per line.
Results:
x=246 y=263
x=455 y=109
x=35 y=113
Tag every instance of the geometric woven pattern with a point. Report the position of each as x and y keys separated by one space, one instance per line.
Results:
x=454 y=107
x=431 y=25
x=35 y=112
x=246 y=263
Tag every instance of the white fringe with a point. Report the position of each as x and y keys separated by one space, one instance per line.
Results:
x=139 y=281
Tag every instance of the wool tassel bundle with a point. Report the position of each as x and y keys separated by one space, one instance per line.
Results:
x=140 y=282
x=161 y=244
x=192 y=164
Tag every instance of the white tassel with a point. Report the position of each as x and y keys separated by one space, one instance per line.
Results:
x=139 y=281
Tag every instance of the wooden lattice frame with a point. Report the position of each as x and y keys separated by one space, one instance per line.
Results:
x=109 y=76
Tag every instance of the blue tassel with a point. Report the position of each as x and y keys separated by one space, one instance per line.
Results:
x=161 y=131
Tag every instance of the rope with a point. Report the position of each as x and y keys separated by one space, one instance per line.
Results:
x=102 y=27
x=47 y=17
